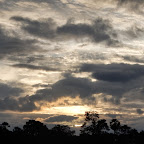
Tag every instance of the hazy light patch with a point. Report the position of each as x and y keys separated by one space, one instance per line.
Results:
x=82 y=75
x=33 y=77
x=31 y=81
x=77 y=125
x=64 y=101
x=7 y=73
x=72 y=109
x=67 y=110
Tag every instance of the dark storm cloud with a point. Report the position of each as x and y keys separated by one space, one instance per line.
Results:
x=111 y=92
x=98 y=31
x=139 y=111
x=82 y=87
x=34 y=67
x=114 y=72
x=69 y=86
x=128 y=84
x=72 y=86
x=10 y=99
x=22 y=104
x=7 y=90
x=38 y=28
x=12 y=46
x=117 y=80
x=61 y=118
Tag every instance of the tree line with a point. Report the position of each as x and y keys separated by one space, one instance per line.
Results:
x=92 y=127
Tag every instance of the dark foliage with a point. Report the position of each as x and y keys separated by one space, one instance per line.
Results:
x=62 y=130
x=35 y=128
x=93 y=130
x=95 y=126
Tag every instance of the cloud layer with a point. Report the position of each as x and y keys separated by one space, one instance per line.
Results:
x=114 y=72
x=98 y=31
x=115 y=81
x=13 y=46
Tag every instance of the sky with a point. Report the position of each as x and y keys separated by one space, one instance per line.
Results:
x=60 y=58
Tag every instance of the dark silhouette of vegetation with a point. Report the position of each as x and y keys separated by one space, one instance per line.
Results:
x=115 y=126
x=62 y=130
x=35 y=128
x=4 y=129
x=93 y=128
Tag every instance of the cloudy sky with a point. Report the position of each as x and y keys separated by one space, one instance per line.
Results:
x=60 y=58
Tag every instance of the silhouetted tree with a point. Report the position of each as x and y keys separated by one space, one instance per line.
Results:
x=18 y=131
x=142 y=132
x=102 y=126
x=62 y=130
x=134 y=132
x=125 y=130
x=5 y=125
x=93 y=126
x=4 y=129
x=35 y=128
x=115 y=126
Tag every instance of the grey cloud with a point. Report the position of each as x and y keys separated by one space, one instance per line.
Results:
x=12 y=46
x=69 y=86
x=10 y=99
x=46 y=29
x=85 y=88
x=136 y=92
x=111 y=91
x=61 y=118
x=117 y=80
x=114 y=116
x=63 y=7
x=42 y=85
x=57 y=5
x=22 y=104
x=31 y=59
x=135 y=31
x=132 y=5
x=34 y=67
x=139 y=111
x=7 y=90
x=114 y=72
x=133 y=105
x=133 y=59
x=82 y=87
x=98 y=31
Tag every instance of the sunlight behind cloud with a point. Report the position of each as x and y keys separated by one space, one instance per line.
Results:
x=69 y=110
